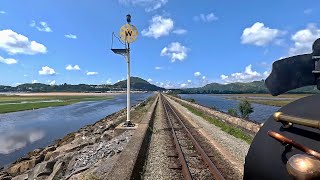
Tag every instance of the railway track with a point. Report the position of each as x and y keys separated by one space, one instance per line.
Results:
x=195 y=162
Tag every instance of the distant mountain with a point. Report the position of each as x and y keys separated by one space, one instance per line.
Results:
x=136 y=85
x=239 y=88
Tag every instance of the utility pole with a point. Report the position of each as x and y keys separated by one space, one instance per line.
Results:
x=128 y=34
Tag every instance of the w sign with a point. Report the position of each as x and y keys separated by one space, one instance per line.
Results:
x=128 y=33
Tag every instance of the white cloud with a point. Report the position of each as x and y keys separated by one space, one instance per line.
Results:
x=3 y=12
x=180 y=31
x=223 y=77
x=51 y=83
x=71 y=36
x=197 y=74
x=307 y=11
x=8 y=60
x=17 y=139
x=189 y=81
x=92 y=73
x=183 y=85
x=203 y=77
x=260 y=35
x=303 y=40
x=206 y=17
x=175 y=51
x=15 y=43
x=41 y=26
x=158 y=68
x=73 y=68
x=46 y=70
x=159 y=26
x=149 y=5
x=34 y=81
x=247 y=75
x=109 y=81
x=149 y=80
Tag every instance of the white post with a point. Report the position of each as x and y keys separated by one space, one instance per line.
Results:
x=128 y=87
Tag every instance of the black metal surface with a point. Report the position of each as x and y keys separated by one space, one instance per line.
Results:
x=119 y=51
x=267 y=157
x=295 y=72
x=291 y=73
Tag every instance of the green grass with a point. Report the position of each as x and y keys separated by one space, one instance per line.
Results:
x=297 y=96
x=270 y=102
x=32 y=102
x=278 y=103
x=236 y=132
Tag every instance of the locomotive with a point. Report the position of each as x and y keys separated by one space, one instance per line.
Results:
x=288 y=144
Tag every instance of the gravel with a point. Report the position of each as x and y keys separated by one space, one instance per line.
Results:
x=234 y=150
x=158 y=163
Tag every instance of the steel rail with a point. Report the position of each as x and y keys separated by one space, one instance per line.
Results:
x=213 y=169
x=185 y=169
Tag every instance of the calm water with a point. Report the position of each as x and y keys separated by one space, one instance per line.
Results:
x=21 y=132
x=260 y=114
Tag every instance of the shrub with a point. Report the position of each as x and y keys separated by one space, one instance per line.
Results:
x=245 y=108
x=233 y=112
x=192 y=100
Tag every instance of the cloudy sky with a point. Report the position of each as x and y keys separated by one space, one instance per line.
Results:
x=181 y=43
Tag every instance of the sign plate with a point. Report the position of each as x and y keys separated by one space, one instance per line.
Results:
x=128 y=33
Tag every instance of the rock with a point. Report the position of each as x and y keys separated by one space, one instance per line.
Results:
x=19 y=167
x=35 y=152
x=78 y=170
x=21 y=177
x=5 y=177
x=72 y=146
x=51 y=155
x=56 y=170
x=49 y=149
x=42 y=169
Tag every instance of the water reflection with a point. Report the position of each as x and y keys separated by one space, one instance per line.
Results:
x=22 y=132
x=16 y=139
x=260 y=114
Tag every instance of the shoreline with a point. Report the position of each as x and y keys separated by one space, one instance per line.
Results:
x=31 y=101
x=23 y=94
x=96 y=134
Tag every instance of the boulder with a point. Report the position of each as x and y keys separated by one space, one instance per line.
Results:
x=56 y=170
x=20 y=167
x=21 y=177
x=42 y=169
x=51 y=154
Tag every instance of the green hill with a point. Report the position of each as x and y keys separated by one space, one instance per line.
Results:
x=240 y=88
x=138 y=84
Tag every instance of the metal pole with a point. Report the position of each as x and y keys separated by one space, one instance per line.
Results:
x=128 y=87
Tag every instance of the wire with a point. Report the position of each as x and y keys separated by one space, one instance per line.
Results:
x=113 y=35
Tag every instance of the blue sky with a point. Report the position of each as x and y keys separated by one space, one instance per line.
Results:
x=180 y=44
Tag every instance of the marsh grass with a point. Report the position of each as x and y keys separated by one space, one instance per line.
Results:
x=36 y=102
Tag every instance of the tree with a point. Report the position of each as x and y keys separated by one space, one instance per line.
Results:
x=191 y=100
x=245 y=108
x=233 y=112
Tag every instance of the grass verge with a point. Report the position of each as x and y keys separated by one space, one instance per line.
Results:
x=236 y=132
